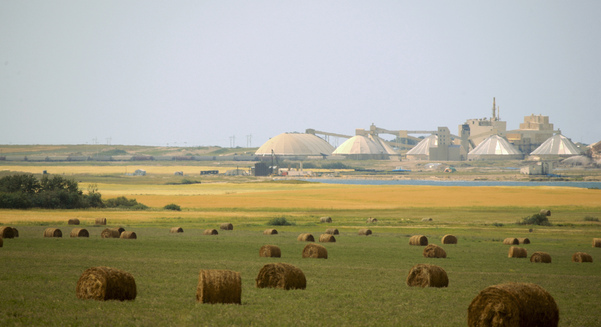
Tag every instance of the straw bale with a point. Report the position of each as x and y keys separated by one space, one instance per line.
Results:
x=80 y=232
x=372 y=220
x=270 y=231
x=15 y=232
x=176 y=230
x=332 y=231
x=105 y=283
x=545 y=212
x=53 y=232
x=418 y=240
x=219 y=286
x=110 y=233
x=597 y=242
x=306 y=237
x=281 y=275
x=128 y=235
x=73 y=221
x=365 y=232
x=516 y=252
x=120 y=230
x=539 y=256
x=270 y=251
x=327 y=238
x=513 y=304
x=210 y=232
x=427 y=275
x=434 y=251
x=100 y=221
x=325 y=219
x=313 y=250
x=226 y=226
x=7 y=232
x=427 y=219
x=523 y=240
x=581 y=257
x=511 y=241
x=449 y=239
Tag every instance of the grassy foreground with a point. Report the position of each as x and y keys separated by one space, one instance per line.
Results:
x=361 y=283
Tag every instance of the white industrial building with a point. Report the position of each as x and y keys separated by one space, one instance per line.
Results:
x=495 y=147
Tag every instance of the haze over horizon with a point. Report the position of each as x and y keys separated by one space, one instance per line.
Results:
x=236 y=73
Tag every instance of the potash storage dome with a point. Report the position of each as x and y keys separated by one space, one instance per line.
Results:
x=363 y=147
x=295 y=144
x=556 y=146
x=495 y=147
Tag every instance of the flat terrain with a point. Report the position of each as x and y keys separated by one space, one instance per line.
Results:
x=362 y=282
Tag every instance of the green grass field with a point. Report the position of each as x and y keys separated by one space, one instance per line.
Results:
x=362 y=283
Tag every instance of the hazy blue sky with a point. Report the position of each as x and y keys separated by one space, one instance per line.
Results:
x=201 y=72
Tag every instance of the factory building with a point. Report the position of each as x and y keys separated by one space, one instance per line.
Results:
x=422 y=150
x=535 y=130
x=495 y=147
x=438 y=146
x=295 y=145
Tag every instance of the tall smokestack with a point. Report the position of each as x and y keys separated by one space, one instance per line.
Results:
x=494 y=107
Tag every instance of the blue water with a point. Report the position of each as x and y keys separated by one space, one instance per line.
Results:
x=453 y=183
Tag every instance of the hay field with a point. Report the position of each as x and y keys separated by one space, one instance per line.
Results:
x=361 y=283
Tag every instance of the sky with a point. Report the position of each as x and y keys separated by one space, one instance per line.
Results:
x=236 y=73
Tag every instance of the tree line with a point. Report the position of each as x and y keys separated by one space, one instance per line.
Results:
x=24 y=191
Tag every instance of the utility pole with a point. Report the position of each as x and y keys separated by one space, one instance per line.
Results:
x=249 y=139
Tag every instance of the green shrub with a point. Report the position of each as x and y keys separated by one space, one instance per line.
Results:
x=281 y=221
x=497 y=224
x=536 y=219
x=124 y=203
x=589 y=218
x=172 y=206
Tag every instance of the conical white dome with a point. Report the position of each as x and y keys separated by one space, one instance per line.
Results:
x=494 y=147
x=557 y=145
x=295 y=144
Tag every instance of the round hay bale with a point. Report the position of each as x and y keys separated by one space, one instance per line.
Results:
x=79 y=232
x=270 y=231
x=53 y=232
x=524 y=240
x=110 y=233
x=219 y=286
x=511 y=241
x=545 y=212
x=427 y=219
x=449 y=239
x=100 y=221
x=226 y=226
x=210 y=231
x=128 y=235
x=427 y=275
x=120 y=230
x=581 y=257
x=434 y=251
x=15 y=232
x=597 y=242
x=513 y=304
x=281 y=275
x=313 y=250
x=305 y=237
x=73 y=221
x=371 y=220
x=270 y=251
x=516 y=252
x=418 y=240
x=176 y=230
x=539 y=256
x=105 y=283
x=365 y=231
x=332 y=231
x=7 y=232
x=327 y=238
x=325 y=219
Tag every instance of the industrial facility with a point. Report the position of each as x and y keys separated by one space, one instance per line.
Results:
x=476 y=139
